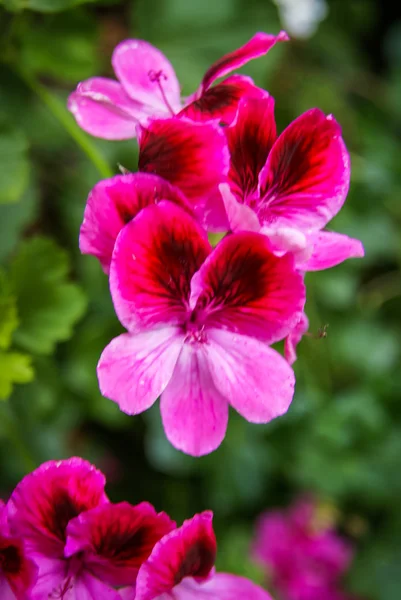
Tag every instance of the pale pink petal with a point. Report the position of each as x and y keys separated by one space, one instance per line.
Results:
x=113 y=203
x=255 y=379
x=250 y=139
x=331 y=249
x=87 y=587
x=6 y=592
x=294 y=337
x=257 y=46
x=191 y=155
x=133 y=370
x=221 y=101
x=146 y=75
x=240 y=216
x=289 y=239
x=306 y=177
x=222 y=586
x=52 y=578
x=242 y=286
x=188 y=551
x=194 y=413
x=102 y=108
x=154 y=259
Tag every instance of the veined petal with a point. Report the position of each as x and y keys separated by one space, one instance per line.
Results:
x=193 y=156
x=188 y=551
x=221 y=586
x=154 y=259
x=135 y=369
x=331 y=249
x=257 y=46
x=243 y=287
x=250 y=139
x=44 y=502
x=146 y=75
x=306 y=177
x=18 y=573
x=256 y=380
x=113 y=203
x=294 y=337
x=194 y=413
x=116 y=539
x=102 y=108
x=220 y=102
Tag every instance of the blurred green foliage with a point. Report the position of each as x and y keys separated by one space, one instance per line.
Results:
x=341 y=438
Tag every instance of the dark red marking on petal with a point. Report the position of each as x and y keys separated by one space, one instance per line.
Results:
x=221 y=101
x=258 y=45
x=19 y=571
x=10 y=557
x=192 y=156
x=198 y=560
x=250 y=140
x=243 y=287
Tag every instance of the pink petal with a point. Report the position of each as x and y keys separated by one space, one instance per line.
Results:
x=44 y=501
x=116 y=539
x=6 y=593
x=133 y=370
x=18 y=573
x=254 y=378
x=146 y=75
x=294 y=337
x=188 y=551
x=257 y=46
x=102 y=108
x=113 y=203
x=331 y=249
x=243 y=287
x=306 y=177
x=192 y=156
x=154 y=259
x=87 y=587
x=221 y=101
x=194 y=413
x=250 y=139
x=221 y=586
x=240 y=216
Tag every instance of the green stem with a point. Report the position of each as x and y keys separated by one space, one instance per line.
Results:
x=59 y=111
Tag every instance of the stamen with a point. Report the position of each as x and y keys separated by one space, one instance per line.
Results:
x=60 y=592
x=155 y=77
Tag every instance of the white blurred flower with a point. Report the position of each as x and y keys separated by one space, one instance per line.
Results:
x=301 y=17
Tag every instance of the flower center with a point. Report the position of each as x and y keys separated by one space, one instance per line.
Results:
x=157 y=77
x=10 y=559
x=195 y=332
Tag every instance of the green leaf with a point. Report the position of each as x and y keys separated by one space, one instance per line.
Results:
x=8 y=312
x=47 y=6
x=48 y=305
x=14 y=368
x=14 y=165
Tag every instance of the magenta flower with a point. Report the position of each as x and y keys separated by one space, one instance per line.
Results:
x=181 y=567
x=41 y=507
x=289 y=187
x=17 y=572
x=304 y=558
x=147 y=86
x=199 y=321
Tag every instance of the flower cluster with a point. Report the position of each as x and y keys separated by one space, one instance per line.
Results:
x=302 y=553
x=62 y=539
x=201 y=320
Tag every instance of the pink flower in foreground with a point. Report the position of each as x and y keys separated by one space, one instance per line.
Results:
x=17 y=572
x=304 y=558
x=289 y=187
x=199 y=321
x=148 y=86
x=181 y=567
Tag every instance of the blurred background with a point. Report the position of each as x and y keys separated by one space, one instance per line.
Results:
x=341 y=439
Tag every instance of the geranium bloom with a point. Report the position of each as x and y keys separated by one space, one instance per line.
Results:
x=148 y=86
x=181 y=567
x=17 y=572
x=304 y=556
x=199 y=322
x=291 y=186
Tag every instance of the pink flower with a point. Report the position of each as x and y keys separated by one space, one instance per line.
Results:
x=17 y=572
x=147 y=86
x=304 y=558
x=199 y=321
x=181 y=566
x=291 y=186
